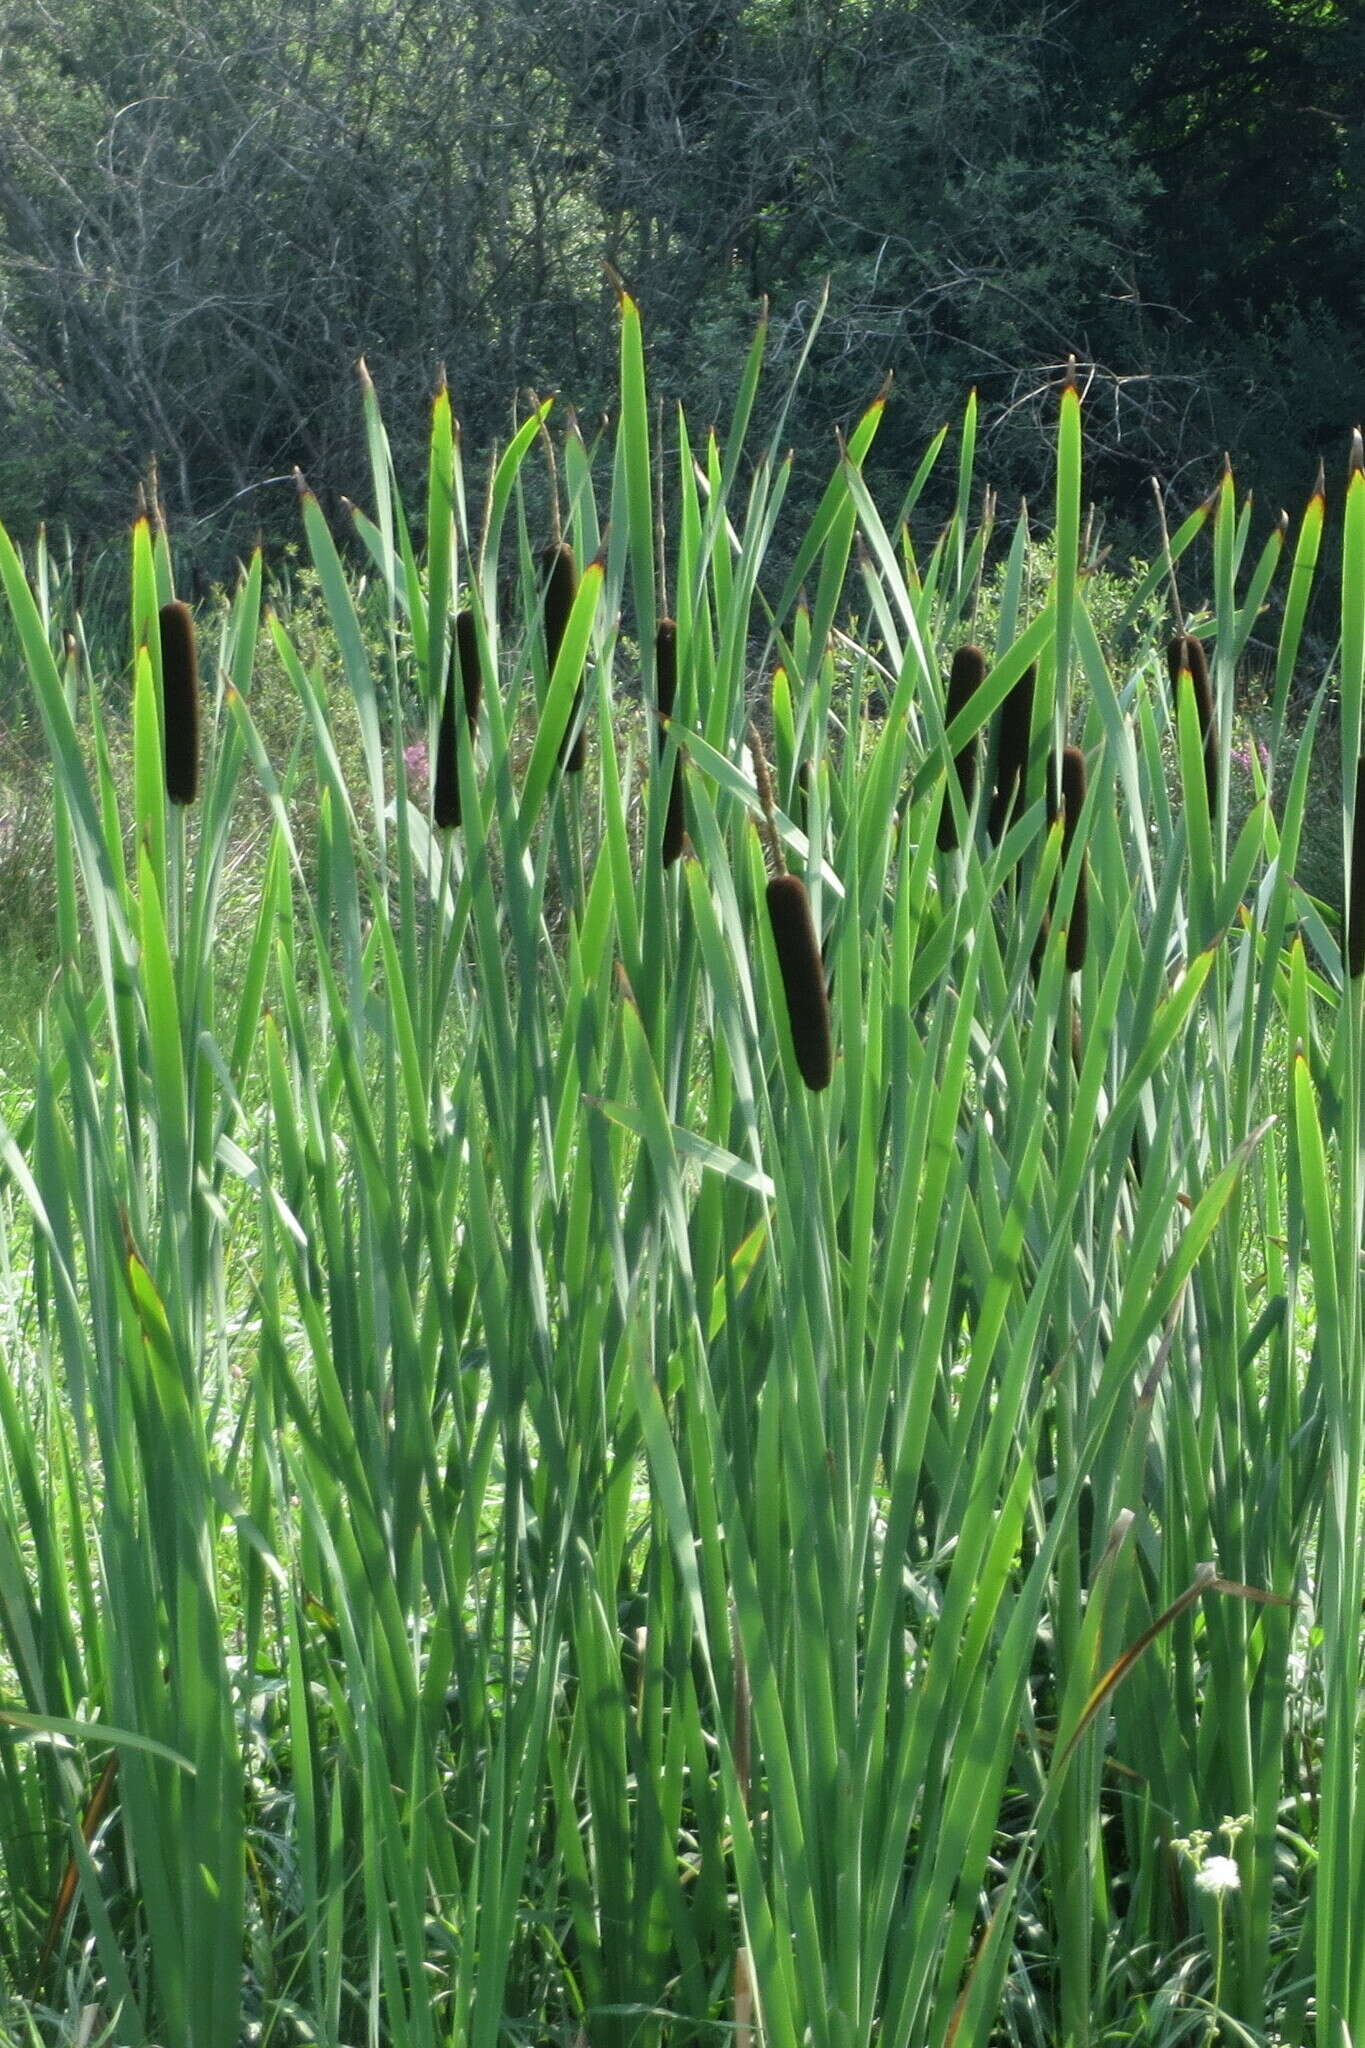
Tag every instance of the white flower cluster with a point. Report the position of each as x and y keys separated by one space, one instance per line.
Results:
x=1218 y=1874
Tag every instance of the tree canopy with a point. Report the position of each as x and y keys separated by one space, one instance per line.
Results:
x=209 y=211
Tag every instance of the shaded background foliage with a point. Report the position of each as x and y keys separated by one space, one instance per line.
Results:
x=208 y=211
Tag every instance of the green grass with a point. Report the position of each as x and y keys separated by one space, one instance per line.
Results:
x=567 y=1534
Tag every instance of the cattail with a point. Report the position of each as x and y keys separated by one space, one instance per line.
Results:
x=1186 y=653
x=798 y=949
x=1011 y=764
x=665 y=695
x=180 y=702
x=1355 y=924
x=805 y=775
x=465 y=678
x=665 y=671
x=803 y=978
x=1073 y=801
x=967 y=675
x=561 y=587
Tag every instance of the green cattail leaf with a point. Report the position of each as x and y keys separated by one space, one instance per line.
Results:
x=165 y=1045
x=927 y=465
x=565 y=683
x=638 y=509
x=1352 y=626
x=146 y=599
x=966 y=463
x=1262 y=577
x=440 y=542
x=1185 y=656
x=499 y=497
x=1148 y=585
x=1073 y=803
x=1067 y=537
x=55 y=714
x=559 y=573
x=817 y=533
x=149 y=765
x=1295 y=609
x=351 y=641
x=381 y=473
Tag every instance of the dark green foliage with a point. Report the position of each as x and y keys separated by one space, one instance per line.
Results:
x=1073 y=801
x=666 y=691
x=1011 y=757
x=464 y=680
x=180 y=702
x=803 y=978
x=967 y=675
x=1185 y=654
x=1122 y=179
x=560 y=571
x=1355 y=908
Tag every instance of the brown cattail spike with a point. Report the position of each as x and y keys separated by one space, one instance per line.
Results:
x=665 y=669
x=560 y=571
x=179 y=702
x=965 y=678
x=1073 y=802
x=1011 y=765
x=1355 y=912
x=803 y=978
x=1185 y=655
x=665 y=695
x=465 y=679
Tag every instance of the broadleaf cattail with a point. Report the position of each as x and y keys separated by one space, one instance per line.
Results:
x=665 y=696
x=965 y=678
x=803 y=978
x=1073 y=802
x=1011 y=761
x=463 y=681
x=179 y=702
x=1355 y=916
x=805 y=771
x=1186 y=653
x=560 y=571
x=798 y=949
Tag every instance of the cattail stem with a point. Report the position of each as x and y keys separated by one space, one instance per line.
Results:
x=772 y=839
x=180 y=702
